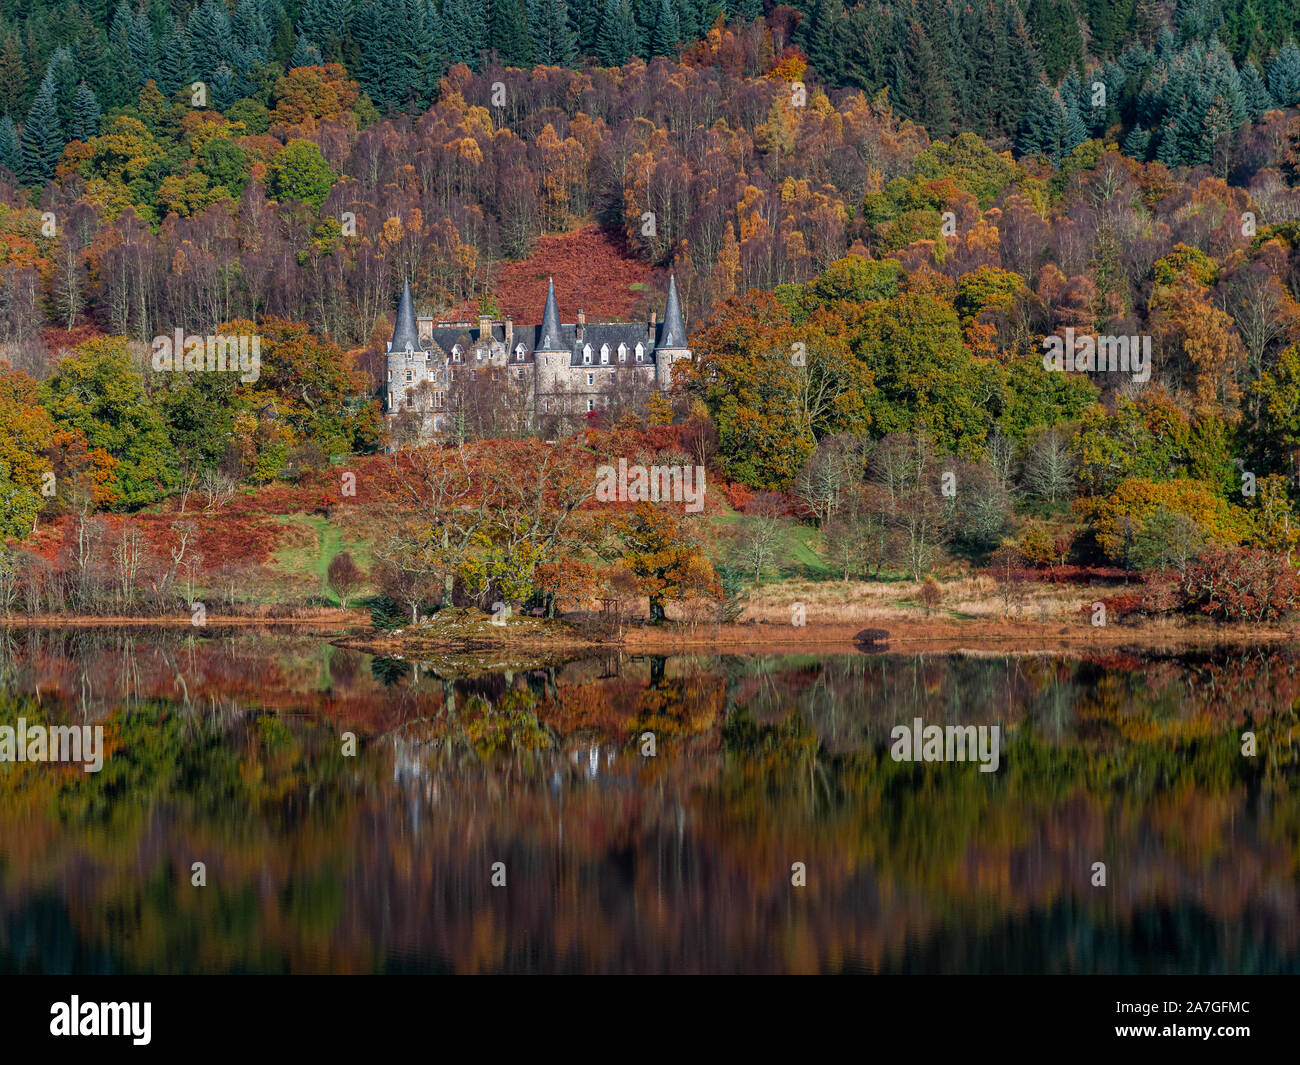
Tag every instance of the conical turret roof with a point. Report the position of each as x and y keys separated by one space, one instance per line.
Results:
x=406 y=337
x=674 y=335
x=551 y=339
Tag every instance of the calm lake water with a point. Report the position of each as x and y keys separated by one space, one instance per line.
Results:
x=227 y=749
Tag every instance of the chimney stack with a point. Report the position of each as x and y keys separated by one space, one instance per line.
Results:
x=510 y=332
x=654 y=320
x=485 y=327
x=582 y=322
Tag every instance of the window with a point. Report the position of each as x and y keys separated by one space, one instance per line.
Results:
x=455 y=353
x=604 y=354
x=591 y=405
x=392 y=400
x=546 y=406
x=439 y=398
x=591 y=378
x=586 y=354
x=519 y=373
x=622 y=353
x=390 y=375
x=408 y=375
x=640 y=353
x=519 y=353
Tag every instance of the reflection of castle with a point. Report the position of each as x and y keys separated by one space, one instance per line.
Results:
x=558 y=368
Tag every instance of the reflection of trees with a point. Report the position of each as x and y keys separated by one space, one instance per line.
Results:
x=681 y=862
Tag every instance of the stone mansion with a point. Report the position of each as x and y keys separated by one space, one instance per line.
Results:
x=557 y=369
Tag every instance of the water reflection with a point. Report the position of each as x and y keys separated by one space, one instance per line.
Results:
x=227 y=748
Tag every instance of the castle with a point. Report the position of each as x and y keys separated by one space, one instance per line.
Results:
x=558 y=373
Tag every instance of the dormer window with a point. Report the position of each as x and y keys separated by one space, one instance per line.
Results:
x=640 y=353
x=622 y=353
x=586 y=354
x=604 y=354
x=455 y=353
x=519 y=353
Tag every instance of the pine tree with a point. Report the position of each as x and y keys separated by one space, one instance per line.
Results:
x=13 y=76
x=464 y=31
x=617 y=41
x=554 y=42
x=326 y=22
x=251 y=36
x=210 y=38
x=508 y=33
x=584 y=19
x=1138 y=144
x=1075 y=130
x=222 y=89
x=42 y=141
x=1258 y=98
x=666 y=34
x=305 y=54
x=825 y=40
x=688 y=20
x=1284 y=76
x=85 y=114
x=11 y=156
x=139 y=38
x=1043 y=125
x=176 y=65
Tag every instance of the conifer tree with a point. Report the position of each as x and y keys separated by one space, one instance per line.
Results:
x=11 y=157
x=139 y=38
x=1257 y=97
x=85 y=114
x=42 y=140
x=617 y=40
x=305 y=54
x=585 y=18
x=176 y=66
x=508 y=33
x=554 y=42
x=464 y=30
x=1284 y=76
x=13 y=76
x=666 y=33
x=1043 y=125
x=1137 y=144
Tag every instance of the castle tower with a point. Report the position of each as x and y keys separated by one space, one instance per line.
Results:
x=551 y=355
x=406 y=361
x=672 y=340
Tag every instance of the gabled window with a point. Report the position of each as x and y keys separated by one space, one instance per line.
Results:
x=519 y=353
x=622 y=353
x=586 y=354
x=604 y=354
x=640 y=353
x=455 y=353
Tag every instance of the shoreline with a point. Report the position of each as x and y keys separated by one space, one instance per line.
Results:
x=350 y=629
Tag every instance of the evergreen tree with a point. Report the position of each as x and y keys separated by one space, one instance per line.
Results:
x=1284 y=76
x=508 y=33
x=326 y=22
x=825 y=39
x=1258 y=98
x=176 y=65
x=139 y=38
x=666 y=34
x=13 y=76
x=221 y=91
x=554 y=42
x=42 y=140
x=617 y=41
x=688 y=20
x=305 y=54
x=210 y=38
x=85 y=114
x=1075 y=130
x=1043 y=125
x=1054 y=27
x=90 y=56
x=464 y=31
x=251 y=36
x=1137 y=144
x=584 y=19
x=11 y=157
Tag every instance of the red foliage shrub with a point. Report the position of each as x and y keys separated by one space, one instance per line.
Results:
x=1240 y=584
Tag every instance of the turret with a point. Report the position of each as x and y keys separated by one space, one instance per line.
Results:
x=672 y=340
x=551 y=355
